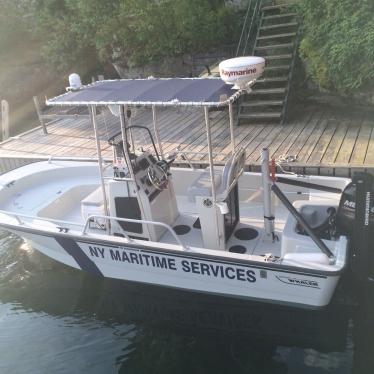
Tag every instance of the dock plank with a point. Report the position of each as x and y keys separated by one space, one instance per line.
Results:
x=323 y=142
x=334 y=147
x=349 y=141
x=361 y=148
x=304 y=135
x=326 y=140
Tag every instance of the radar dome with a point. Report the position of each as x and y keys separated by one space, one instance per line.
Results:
x=242 y=72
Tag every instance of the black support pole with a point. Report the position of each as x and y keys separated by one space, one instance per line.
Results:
x=319 y=187
x=300 y=219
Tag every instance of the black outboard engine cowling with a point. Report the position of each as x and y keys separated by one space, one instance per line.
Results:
x=355 y=218
x=346 y=214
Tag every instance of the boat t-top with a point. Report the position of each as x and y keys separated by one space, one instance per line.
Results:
x=219 y=230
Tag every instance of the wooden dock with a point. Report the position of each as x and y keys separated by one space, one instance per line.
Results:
x=319 y=140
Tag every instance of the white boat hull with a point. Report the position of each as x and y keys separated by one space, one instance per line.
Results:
x=189 y=271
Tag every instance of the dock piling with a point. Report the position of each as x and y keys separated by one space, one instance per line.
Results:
x=40 y=116
x=4 y=120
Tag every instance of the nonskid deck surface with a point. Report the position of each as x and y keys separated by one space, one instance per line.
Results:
x=247 y=238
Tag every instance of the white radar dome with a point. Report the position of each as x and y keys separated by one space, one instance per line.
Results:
x=75 y=82
x=241 y=71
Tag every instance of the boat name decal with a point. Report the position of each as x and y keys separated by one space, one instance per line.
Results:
x=174 y=264
x=298 y=282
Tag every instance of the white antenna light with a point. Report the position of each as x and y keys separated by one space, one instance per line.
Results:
x=75 y=82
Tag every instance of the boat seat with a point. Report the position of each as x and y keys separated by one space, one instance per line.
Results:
x=95 y=198
x=224 y=177
x=93 y=204
x=203 y=186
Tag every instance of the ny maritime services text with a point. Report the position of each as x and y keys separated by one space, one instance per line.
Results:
x=209 y=269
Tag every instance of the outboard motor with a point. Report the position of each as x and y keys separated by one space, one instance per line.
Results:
x=355 y=218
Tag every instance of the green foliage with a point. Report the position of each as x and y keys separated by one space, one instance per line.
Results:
x=137 y=32
x=338 y=42
x=14 y=23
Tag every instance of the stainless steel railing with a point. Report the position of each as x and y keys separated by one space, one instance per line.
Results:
x=21 y=220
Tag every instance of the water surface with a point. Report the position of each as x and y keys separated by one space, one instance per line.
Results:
x=54 y=319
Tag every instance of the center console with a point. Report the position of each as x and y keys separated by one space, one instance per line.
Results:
x=150 y=197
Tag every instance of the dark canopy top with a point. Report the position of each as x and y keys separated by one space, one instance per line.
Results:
x=146 y=92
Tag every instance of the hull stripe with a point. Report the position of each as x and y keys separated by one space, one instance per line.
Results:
x=79 y=256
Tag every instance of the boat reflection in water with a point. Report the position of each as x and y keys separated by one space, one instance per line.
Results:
x=160 y=330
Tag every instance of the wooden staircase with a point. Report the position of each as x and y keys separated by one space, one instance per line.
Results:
x=276 y=41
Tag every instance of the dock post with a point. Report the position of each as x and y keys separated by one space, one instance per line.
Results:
x=4 y=120
x=40 y=116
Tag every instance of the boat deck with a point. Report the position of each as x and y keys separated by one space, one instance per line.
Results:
x=323 y=140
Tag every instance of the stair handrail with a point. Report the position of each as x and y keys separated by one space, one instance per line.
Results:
x=290 y=73
x=250 y=21
x=243 y=28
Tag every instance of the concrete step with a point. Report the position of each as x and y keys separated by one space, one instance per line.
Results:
x=259 y=103
x=280 y=16
x=278 y=26
x=262 y=115
x=277 y=36
x=274 y=46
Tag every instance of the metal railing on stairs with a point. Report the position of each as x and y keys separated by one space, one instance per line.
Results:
x=260 y=34
x=249 y=29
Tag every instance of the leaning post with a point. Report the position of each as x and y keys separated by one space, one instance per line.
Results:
x=4 y=119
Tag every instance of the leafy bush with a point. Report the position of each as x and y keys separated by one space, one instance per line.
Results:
x=135 y=31
x=338 y=42
x=14 y=23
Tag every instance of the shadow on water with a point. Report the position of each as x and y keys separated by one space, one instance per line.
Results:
x=52 y=316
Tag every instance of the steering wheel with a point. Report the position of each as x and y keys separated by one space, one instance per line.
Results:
x=157 y=176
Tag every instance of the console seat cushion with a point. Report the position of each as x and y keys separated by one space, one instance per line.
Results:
x=93 y=205
x=203 y=186
x=95 y=198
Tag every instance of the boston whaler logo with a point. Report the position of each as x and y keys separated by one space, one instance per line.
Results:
x=298 y=282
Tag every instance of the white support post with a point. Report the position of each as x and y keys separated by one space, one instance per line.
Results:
x=40 y=116
x=231 y=118
x=210 y=153
x=4 y=120
x=124 y=140
x=266 y=194
x=154 y=115
x=92 y=110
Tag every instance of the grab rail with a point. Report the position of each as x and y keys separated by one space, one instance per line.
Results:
x=155 y=223
x=18 y=217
